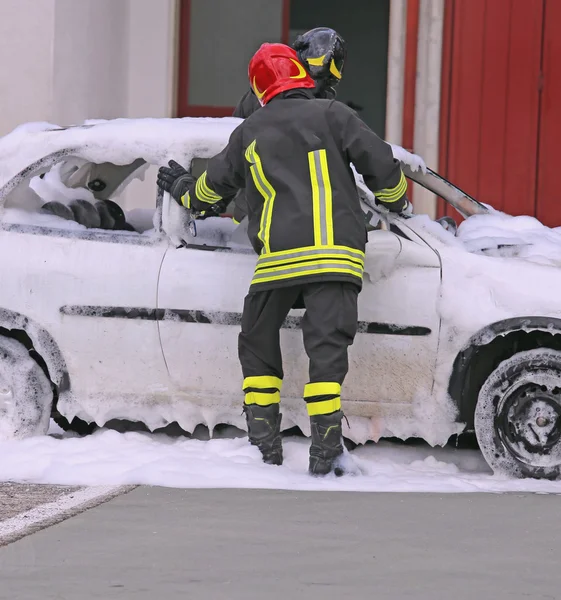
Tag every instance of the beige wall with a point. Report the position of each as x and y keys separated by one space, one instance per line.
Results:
x=65 y=61
x=26 y=47
x=89 y=71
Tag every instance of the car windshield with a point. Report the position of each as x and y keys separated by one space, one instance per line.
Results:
x=462 y=202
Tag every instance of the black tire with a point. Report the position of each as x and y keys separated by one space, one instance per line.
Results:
x=518 y=415
x=26 y=394
x=76 y=425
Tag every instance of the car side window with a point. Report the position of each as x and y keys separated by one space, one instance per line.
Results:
x=78 y=198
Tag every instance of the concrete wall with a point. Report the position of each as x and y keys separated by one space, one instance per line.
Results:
x=26 y=48
x=65 y=61
x=427 y=96
x=89 y=60
x=151 y=69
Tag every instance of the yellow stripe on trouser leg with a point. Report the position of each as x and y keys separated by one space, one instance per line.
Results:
x=262 y=382
x=321 y=390
x=324 y=407
x=262 y=398
x=263 y=390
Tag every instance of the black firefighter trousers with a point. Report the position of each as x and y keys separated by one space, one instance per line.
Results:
x=329 y=326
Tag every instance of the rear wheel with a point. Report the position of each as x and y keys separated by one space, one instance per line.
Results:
x=518 y=415
x=26 y=394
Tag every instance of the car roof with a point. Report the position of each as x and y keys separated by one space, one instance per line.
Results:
x=119 y=141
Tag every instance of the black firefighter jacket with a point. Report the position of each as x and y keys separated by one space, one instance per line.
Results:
x=247 y=105
x=304 y=216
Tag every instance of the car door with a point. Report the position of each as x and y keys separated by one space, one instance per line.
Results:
x=201 y=292
x=95 y=292
x=393 y=357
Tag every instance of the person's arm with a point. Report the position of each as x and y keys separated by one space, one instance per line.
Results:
x=247 y=105
x=224 y=176
x=372 y=157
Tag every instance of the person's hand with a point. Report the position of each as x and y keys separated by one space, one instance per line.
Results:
x=214 y=210
x=407 y=210
x=175 y=180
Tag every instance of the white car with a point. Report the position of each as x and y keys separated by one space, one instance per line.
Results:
x=455 y=334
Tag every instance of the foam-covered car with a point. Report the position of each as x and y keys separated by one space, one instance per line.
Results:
x=460 y=328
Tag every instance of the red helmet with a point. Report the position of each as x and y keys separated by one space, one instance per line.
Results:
x=275 y=68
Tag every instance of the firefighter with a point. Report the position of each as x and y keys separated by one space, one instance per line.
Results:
x=306 y=224
x=323 y=53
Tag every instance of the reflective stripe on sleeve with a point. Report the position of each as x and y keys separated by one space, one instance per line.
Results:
x=266 y=190
x=394 y=194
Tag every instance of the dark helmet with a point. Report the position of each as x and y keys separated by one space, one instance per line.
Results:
x=323 y=52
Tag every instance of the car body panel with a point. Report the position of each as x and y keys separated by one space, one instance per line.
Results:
x=148 y=324
x=65 y=285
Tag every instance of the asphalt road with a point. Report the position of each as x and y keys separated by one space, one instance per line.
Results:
x=267 y=545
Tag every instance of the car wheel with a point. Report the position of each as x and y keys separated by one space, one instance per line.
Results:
x=26 y=393
x=518 y=415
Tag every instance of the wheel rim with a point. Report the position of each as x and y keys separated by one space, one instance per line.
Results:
x=529 y=422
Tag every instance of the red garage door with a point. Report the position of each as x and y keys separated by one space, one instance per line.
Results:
x=501 y=89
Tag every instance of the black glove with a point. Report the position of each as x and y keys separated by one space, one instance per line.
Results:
x=176 y=180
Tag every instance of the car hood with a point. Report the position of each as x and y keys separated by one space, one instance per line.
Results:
x=495 y=235
x=501 y=235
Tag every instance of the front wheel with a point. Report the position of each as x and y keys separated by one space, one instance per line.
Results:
x=26 y=393
x=518 y=415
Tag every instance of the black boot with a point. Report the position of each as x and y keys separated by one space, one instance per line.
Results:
x=263 y=430
x=327 y=443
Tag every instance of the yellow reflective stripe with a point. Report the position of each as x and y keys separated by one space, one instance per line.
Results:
x=261 y=265
x=235 y=222
x=186 y=200
x=395 y=193
x=334 y=70
x=322 y=389
x=204 y=193
x=316 y=62
x=306 y=251
x=315 y=198
x=262 y=398
x=320 y=262
x=328 y=197
x=322 y=198
x=266 y=190
x=325 y=407
x=209 y=192
x=305 y=271
x=262 y=382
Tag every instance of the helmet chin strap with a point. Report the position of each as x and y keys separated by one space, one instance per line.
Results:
x=324 y=90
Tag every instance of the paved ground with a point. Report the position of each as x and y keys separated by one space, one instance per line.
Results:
x=16 y=498
x=268 y=545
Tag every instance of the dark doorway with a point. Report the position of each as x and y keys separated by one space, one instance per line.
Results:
x=364 y=24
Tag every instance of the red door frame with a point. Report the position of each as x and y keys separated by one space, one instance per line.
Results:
x=184 y=109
